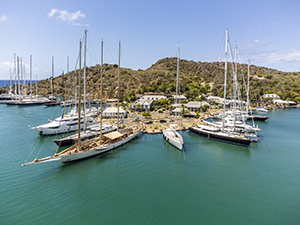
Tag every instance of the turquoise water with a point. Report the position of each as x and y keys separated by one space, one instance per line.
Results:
x=150 y=182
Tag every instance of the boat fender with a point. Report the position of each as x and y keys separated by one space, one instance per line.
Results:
x=167 y=139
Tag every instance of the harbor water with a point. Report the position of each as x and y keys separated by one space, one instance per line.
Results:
x=148 y=181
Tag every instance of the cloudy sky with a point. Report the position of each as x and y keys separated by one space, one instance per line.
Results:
x=266 y=32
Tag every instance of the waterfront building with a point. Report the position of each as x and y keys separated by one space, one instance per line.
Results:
x=112 y=112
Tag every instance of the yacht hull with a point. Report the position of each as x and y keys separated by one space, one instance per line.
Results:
x=217 y=136
x=175 y=142
x=59 y=129
x=96 y=151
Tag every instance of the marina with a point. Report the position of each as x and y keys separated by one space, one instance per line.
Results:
x=214 y=179
x=194 y=120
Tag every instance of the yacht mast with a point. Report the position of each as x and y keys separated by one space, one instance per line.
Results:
x=177 y=85
x=24 y=81
x=118 y=86
x=10 y=82
x=21 y=67
x=52 y=75
x=19 y=90
x=15 y=73
x=101 y=90
x=31 y=76
x=84 y=78
x=36 y=85
x=223 y=118
x=235 y=88
x=68 y=80
x=247 y=108
x=79 y=99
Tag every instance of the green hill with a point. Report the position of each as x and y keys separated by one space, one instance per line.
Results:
x=195 y=78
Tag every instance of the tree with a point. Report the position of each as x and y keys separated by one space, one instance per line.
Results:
x=146 y=114
x=297 y=99
x=138 y=106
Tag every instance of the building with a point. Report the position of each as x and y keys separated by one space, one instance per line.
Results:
x=145 y=104
x=194 y=106
x=179 y=97
x=154 y=97
x=284 y=103
x=274 y=96
x=112 y=112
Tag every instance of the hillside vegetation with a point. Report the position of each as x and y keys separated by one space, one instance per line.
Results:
x=195 y=79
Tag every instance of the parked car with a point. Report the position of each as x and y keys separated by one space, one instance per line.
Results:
x=136 y=118
x=149 y=122
x=162 y=121
x=121 y=121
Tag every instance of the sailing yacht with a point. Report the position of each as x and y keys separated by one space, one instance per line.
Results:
x=261 y=109
x=170 y=134
x=91 y=132
x=222 y=133
x=62 y=124
x=94 y=146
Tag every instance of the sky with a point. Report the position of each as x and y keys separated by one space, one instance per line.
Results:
x=266 y=32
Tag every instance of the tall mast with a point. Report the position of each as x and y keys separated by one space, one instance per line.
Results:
x=24 y=81
x=79 y=99
x=101 y=91
x=235 y=87
x=223 y=118
x=177 y=84
x=36 y=84
x=10 y=82
x=68 y=78
x=52 y=75
x=65 y=96
x=15 y=73
x=31 y=76
x=247 y=108
x=118 y=86
x=84 y=78
x=18 y=77
x=21 y=75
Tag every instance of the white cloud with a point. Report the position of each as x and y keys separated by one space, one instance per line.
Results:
x=3 y=18
x=6 y=66
x=281 y=59
x=283 y=56
x=53 y=11
x=68 y=17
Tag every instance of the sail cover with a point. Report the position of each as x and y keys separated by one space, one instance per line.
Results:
x=113 y=135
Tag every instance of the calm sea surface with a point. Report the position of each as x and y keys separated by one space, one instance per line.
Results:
x=148 y=181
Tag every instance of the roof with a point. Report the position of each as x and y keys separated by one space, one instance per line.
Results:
x=195 y=104
x=271 y=96
x=113 y=110
x=283 y=101
x=179 y=96
x=113 y=135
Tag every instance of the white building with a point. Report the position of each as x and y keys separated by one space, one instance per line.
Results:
x=274 y=96
x=179 y=97
x=194 y=106
x=283 y=102
x=145 y=104
x=154 y=97
x=112 y=112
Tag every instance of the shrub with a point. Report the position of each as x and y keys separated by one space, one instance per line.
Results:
x=146 y=114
